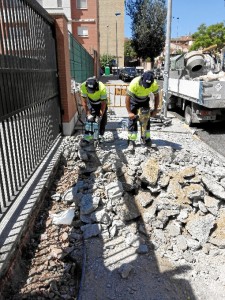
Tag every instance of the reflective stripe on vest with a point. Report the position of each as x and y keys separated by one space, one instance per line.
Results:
x=147 y=134
x=132 y=136
x=94 y=102
x=137 y=99
x=88 y=137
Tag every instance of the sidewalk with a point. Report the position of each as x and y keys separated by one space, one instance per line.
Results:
x=141 y=251
x=149 y=224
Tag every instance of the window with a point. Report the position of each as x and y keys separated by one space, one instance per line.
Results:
x=82 y=31
x=59 y=3
x=81 y=4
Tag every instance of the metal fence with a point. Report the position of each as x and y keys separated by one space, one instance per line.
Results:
x=116 y=94
x=30 y=119
x=81 y=62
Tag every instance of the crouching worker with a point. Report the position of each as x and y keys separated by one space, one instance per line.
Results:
x=94 y=102
x=138 y=98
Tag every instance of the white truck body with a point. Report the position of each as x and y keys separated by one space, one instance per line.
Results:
x=208 y=94
x=193 y=90
x=184 y=88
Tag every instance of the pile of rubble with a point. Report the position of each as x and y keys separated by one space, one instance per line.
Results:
x=176 y=197
x=179 y=192
x=210 y=76
x=167 y=199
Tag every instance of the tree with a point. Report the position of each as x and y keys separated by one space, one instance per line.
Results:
x=129 y=49
x=148 y=19
x=208 y=36
x=106 y=60
x=130 y=56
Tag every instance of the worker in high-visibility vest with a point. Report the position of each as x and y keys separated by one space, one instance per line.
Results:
x=138 y=97
x=94 y=102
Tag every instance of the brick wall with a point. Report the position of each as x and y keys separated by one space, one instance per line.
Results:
x=87 y=18
x=67 y=99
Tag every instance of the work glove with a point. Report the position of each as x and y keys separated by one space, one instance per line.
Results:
x=98 y=119
x=90 y=118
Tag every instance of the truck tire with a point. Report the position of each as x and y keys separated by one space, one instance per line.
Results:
x=188 y=115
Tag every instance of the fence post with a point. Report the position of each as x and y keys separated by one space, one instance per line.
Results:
x=67 y=98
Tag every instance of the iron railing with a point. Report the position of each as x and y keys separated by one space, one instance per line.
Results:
x=29 y=99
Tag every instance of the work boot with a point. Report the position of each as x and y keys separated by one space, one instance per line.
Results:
x=148 y=142
x=143 y=140
x=131 y=145
x=101 y=139
x=84 y=143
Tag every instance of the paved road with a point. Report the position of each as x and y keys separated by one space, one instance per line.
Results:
x=213 y=134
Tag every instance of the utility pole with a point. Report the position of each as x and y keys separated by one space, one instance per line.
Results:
x=167 y=58
x=117 y=58
x=177 y=34
x=176 y=43
x=107 y=44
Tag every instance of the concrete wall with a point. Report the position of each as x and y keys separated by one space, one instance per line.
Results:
x=52 y=7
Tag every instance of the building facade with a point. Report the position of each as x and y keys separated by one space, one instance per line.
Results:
x=111 y=29
x=84 y=15
x=58 y=6
x=181 y=44
x=98 y=25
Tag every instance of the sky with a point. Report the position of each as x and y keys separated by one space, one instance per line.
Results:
x=191 y=14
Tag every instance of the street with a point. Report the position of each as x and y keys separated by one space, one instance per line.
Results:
x=213 y=134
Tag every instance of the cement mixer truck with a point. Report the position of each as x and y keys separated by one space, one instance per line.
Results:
x=197 y=86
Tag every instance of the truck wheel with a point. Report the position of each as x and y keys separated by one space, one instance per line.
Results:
x=188 y=115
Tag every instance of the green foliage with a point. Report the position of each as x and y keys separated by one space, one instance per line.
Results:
x=179 y=51
x=148 y=26
x=208 y=36
x=129 y=50
x=106 y=60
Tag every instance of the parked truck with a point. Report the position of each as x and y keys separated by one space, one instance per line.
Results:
x=197 y=86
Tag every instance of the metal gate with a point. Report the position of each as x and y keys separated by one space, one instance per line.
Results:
x=116 y=94
x=30 y=118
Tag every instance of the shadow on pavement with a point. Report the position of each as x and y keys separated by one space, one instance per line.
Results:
x=115 y=269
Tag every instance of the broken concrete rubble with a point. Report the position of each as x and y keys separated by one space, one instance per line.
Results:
x=128 y=215
x=166 y=189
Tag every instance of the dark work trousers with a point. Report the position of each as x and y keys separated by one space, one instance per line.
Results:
x=134 y=106
x=95 y=111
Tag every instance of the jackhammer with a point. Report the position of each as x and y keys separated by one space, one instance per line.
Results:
x=92 y=127
x=143 y=116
